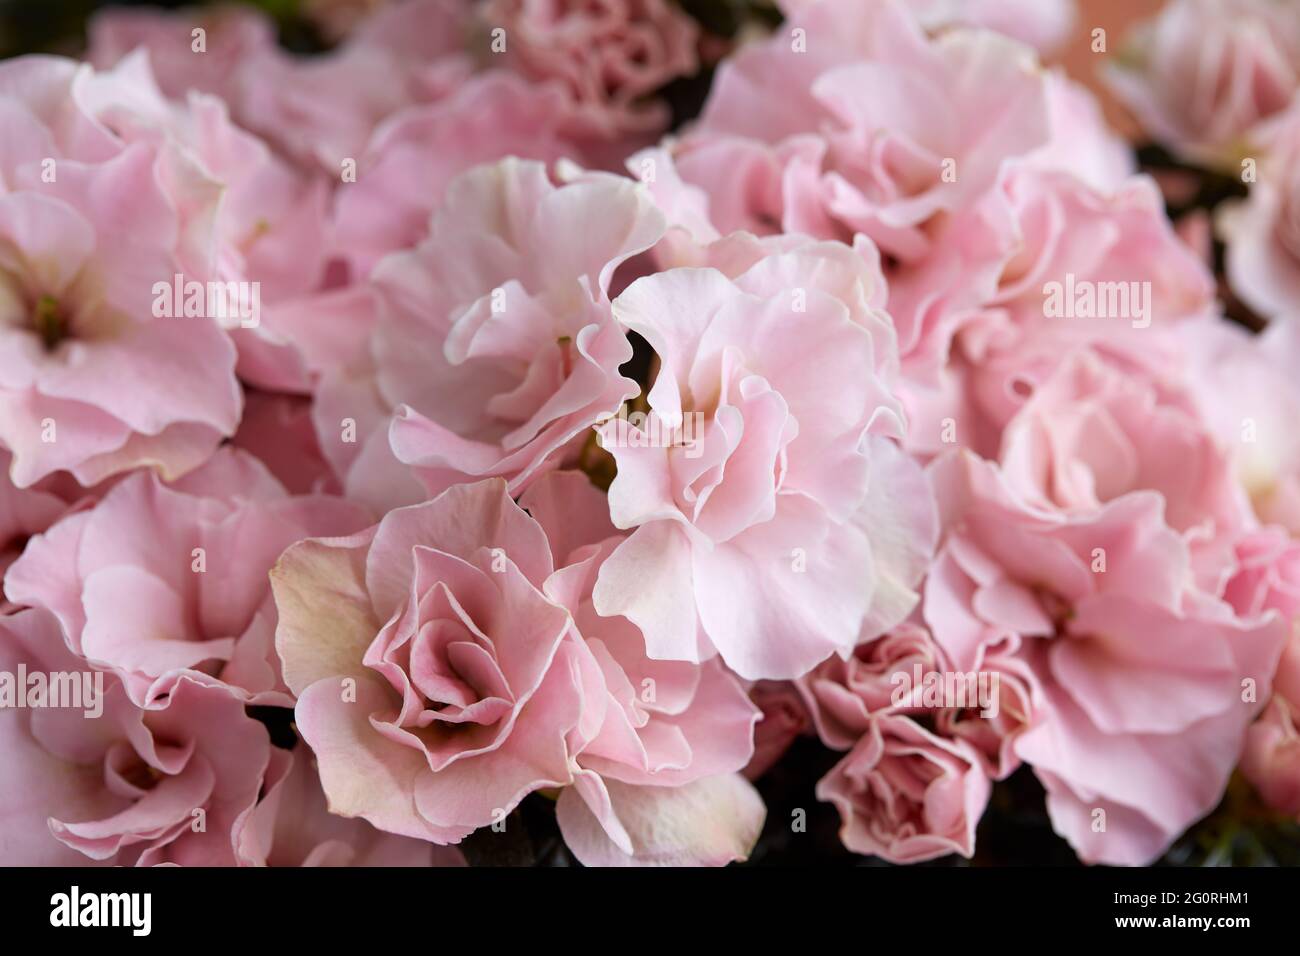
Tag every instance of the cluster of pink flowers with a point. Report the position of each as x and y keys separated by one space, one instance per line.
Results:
x=429 y=401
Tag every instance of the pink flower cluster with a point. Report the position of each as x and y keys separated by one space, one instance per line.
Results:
x=425 y=402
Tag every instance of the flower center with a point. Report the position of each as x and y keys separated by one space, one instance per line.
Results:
x=49 y=322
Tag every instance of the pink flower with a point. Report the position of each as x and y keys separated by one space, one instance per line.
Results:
x=1271 y=761
x=495 y=349
x=1204 y=73
x=1263 y=232
x=1081 y=143
x=231 y=35
x=609 y=58
x=994 y=732
x=658 y=781
x=160 y=578
x=1091 y=434
x=850 y=120
x=88 y=226
x=189 y=780
x=1268 y=574
x=775 y=523
x=844 y=694
x=267 y=233
x=1146 y=684
x=1005 y=297
x=172 y=783
x=889 y=676
x=907 y=795
x=445 y=670
x=1267 y=579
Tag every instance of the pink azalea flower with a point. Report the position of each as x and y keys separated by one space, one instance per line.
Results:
x=267 y=235
x=1147 y=685
x=452 y=671
x=608 y=58
x=1091 y=434
x=88 y=226
x=890 y=675
x=495 y=349
x=171 y=783
x=907 y=795
x=989 y=317
x=158 y=578
x=657 y=782
x=189 y=780
x=318 y=110
x=784 y=525
x=800 y=135
x=844 y=694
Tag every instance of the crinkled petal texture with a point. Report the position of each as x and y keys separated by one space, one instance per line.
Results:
x=763 y=483
x=1090 y=434
x=907 y=795
x=495 y=350
x=190 y=779
x=659 y=781
x=172 y=783
x=157 y=578
x=851 y=120
x=1042 y=267
x=609 y=59
x=88 y=227
x=445 y=669
x=421 y=652
x=1141 y=678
